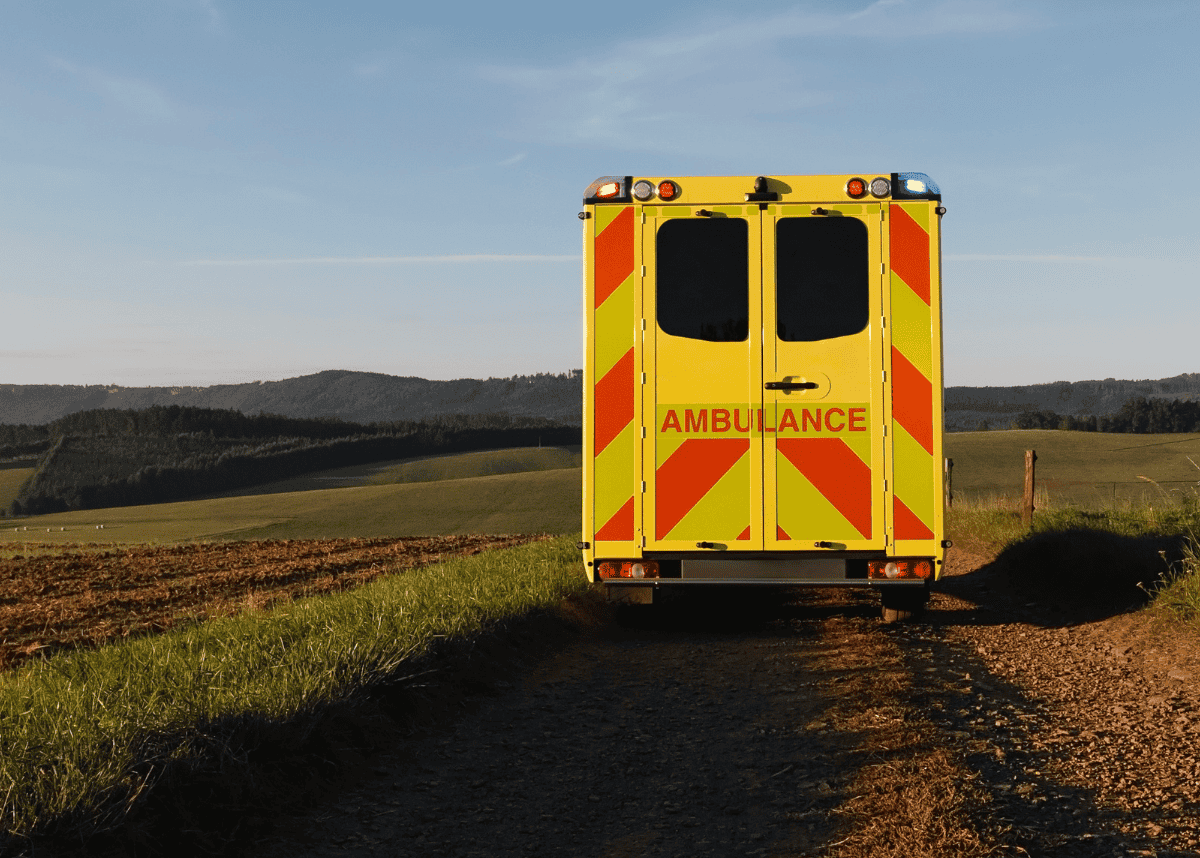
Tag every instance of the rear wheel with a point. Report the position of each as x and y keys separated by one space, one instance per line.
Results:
x=903 y=604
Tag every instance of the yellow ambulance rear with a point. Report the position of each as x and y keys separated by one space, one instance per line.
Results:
x=763 y=383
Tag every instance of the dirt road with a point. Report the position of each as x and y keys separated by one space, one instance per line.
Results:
x=796 y=724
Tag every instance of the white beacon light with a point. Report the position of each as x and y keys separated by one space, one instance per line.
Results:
x=643 y=190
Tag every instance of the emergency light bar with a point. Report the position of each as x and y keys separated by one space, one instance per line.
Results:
x=608 y=189
x=914 y=186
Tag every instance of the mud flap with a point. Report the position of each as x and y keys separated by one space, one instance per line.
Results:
x=628 y=595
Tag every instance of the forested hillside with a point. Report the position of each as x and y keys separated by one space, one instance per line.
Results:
x=1138 y=416
x=364 y=397
x=970 y=408
x=108 y=457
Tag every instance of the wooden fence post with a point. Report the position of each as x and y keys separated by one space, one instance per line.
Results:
x=948 y=483
x=1030 y=458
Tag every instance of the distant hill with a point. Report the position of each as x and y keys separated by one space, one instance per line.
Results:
x=360 y=397
x=969 y=408
x=365 y=397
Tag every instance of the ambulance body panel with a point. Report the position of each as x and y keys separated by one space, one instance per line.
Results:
x=763 y=380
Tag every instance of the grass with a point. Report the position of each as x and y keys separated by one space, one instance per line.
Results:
x=423 y=469
x=1096 y=554
x=85 y=733
x=12 y=476
x=530 y=502
x=488 y=463
x=1084 y=469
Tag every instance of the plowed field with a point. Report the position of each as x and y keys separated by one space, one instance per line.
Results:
x=83 y=596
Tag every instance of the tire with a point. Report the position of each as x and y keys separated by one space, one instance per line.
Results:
x=903 y=605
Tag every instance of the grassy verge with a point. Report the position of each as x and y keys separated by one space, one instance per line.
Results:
x=85 y=735
x=1096 y=553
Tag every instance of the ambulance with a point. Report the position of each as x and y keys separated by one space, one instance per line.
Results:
x=763 y=384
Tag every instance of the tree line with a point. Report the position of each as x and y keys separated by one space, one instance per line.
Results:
x=1138 y=415
x=110 y=457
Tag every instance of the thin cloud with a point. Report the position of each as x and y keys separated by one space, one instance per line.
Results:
x=388 y=260
x=515 y=159
x=673 y=77
x=371 y=68
x=1049 y=257
x=131 y=94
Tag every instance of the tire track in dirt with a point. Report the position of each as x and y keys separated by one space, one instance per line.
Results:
x=769 y=724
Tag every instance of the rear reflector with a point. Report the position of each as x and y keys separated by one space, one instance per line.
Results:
x=900 y=568
x=627 y=569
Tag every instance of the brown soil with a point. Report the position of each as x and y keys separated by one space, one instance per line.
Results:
x=768 y=723
x=796 y=724
x=85 y=595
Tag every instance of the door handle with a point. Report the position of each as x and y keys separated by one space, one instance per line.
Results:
x=791 y=385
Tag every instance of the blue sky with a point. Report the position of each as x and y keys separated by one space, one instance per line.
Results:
x=205 y=192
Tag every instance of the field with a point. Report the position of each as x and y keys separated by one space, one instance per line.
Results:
x=80 y=596
x=425 y=469
x=206 y=638
x=12 y=475
x=530 y=502
x=1089 y=469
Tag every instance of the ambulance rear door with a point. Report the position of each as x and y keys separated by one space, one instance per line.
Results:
x=765 y=391
x=823 y=377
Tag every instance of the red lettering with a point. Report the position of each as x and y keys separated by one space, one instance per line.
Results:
x=737 y=420
x=695 y=424
x=806 y=418
x=789 y=419
x=720 y=420
x=830 y=426
x=672 y=422
x=858 y=417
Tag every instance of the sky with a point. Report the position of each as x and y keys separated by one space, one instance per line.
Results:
x=198 y=192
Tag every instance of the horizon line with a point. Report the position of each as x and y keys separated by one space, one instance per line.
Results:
x=377 y=260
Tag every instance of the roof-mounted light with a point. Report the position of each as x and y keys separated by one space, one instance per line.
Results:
x=856 y=188
x=643 y=190
x=667 y=190
x=880 y=187
x=914 y=186
x=608 y=189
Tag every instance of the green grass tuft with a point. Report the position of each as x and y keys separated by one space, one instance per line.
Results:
x=82 y=734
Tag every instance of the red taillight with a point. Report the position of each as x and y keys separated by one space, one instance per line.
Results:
x=895 y=569
x=668 y=190
x=856 y=188
x=635 y=569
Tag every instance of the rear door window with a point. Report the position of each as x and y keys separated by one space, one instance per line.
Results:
x=822 y=278
x=702 y=283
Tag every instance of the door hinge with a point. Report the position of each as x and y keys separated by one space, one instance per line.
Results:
x=643 y=270
x=883 y=321
x=643 y=324
x=643 y=378
x=885 y=376
x=643 y=542
x=643 y=486
x=884 y=485
x=884 y=430
x=643 y=217
x=643 y=435
x=882 y=268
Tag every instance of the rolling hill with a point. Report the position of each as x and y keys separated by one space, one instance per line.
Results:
x=360 y=397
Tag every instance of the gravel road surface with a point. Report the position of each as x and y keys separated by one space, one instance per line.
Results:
x=797 y=724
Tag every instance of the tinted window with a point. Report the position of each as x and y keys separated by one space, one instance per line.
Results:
x=821 y=277
x=702 y=279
